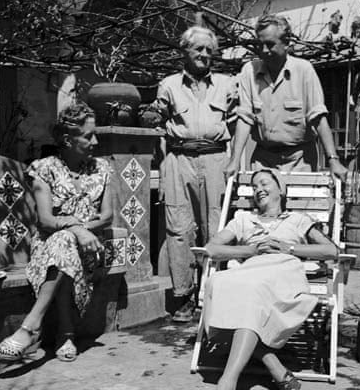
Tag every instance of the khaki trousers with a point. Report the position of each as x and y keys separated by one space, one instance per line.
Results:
x=193 y=188
x=303 y=158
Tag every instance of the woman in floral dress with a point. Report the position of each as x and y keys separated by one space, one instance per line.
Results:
x=73 y=201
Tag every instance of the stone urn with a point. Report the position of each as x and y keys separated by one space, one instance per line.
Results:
x=114 y=103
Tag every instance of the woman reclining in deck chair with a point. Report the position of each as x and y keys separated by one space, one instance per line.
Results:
x=266 y=299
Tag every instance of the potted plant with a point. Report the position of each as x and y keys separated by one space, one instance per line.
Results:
x=115 y=103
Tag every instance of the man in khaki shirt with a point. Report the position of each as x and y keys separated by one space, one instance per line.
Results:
x=194 y=104
x=282 y=105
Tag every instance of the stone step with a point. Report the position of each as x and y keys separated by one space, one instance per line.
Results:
x=115 y=305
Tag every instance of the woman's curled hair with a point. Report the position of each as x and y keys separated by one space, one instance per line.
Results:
x=71 y=118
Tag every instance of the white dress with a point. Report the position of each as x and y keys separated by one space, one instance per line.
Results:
x=268 y=294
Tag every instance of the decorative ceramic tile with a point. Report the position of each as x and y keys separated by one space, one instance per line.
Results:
x=115 y=252
x=12 y=231
x=133 y=174
x=10 y=190
x=134 y=249
x=133 y=211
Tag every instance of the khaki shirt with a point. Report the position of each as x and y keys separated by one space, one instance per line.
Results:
x=281 y=112
x=196 y=110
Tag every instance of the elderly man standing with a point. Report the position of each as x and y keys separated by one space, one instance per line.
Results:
x=194 y=104
x=282 y=104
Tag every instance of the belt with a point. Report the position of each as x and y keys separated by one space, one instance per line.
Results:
x=281 y=148
x=195 y=146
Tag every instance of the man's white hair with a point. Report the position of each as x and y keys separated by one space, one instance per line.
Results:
x=188 y=37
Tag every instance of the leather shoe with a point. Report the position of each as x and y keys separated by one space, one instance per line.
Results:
x=185 y=313
x=289 y=382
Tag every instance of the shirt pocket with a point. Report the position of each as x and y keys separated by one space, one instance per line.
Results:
x=293 y=112
x=180 y=114
x=218 y=107
x=214 y=119
x=218 y=110
x=180 y=109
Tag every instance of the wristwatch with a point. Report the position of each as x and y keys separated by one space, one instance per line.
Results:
x=291 y=249
x=333 y=157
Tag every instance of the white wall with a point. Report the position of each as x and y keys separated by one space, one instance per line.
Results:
x=308 y=18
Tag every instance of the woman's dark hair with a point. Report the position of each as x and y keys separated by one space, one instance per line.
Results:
x=277 y=180
x=70 y=120
x=279 y=21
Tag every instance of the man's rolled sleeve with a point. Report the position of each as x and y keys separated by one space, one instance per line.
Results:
x=232 y=99
x=315 y=96
x=245 y=108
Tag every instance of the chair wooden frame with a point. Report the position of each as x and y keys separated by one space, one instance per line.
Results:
x=316 y=194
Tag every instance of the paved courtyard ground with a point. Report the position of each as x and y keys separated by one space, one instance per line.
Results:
x=155 y=356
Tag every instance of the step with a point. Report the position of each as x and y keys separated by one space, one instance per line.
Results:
x=116 y=304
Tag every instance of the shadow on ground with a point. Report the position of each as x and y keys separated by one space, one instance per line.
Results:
x=181 y=338
x=164 y=332
x=32 y=362
x=246 y=382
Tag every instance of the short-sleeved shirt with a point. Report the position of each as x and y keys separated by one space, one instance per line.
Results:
x=281 y=112
x=189 y=116
x=290 y=227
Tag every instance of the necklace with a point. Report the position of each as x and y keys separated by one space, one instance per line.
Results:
x=270 y=226
x=269 y=215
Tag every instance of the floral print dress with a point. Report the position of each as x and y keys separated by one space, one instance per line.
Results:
x=60 y=249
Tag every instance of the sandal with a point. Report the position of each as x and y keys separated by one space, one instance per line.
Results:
x=13 y=351
x=67 y=352
x=289 y=382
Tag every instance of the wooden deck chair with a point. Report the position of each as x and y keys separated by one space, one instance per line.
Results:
x=316 y=194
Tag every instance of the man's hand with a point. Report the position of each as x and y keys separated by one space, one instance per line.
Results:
x=231 y=169
x=161 y=195
x=337 y=169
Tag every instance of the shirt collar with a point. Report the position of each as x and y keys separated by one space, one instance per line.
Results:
x=285 y=70
x=208 y=78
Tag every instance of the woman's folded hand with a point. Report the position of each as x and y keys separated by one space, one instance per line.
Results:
x=272 y=245
x=87 y=241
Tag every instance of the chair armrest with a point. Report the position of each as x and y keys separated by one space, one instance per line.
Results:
x=199 y=251
x=201 y=254
x=345 y=261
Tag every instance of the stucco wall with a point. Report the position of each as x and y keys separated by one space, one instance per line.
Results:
x=309 y=17
x=8 y=88
x=37 y=93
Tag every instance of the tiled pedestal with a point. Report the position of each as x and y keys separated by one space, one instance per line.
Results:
x=130 y=151
x=17 y=215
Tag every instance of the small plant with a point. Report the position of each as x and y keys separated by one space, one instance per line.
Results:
x=110 y=65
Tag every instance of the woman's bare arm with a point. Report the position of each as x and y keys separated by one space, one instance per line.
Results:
x=106 y=213
x=219 y=247
x=47 y=221
x=319 y=247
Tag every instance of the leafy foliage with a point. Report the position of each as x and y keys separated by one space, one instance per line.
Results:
x=113 y=37
x=117 y=37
